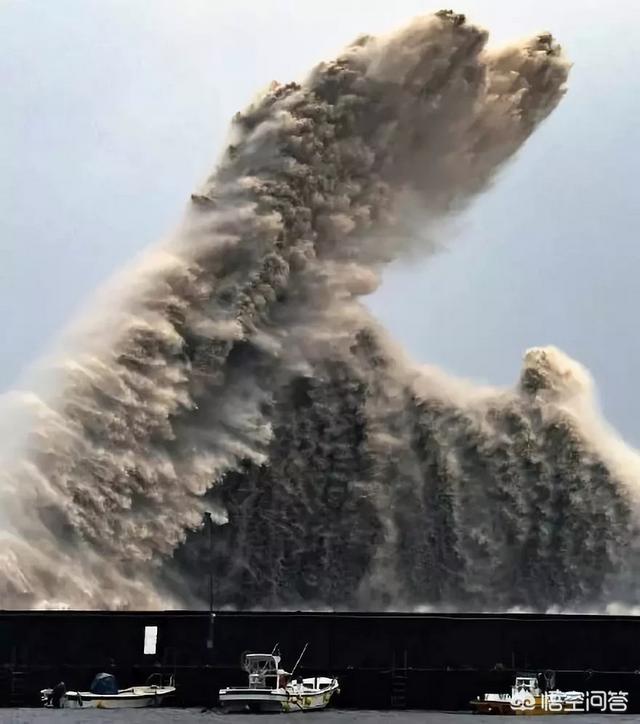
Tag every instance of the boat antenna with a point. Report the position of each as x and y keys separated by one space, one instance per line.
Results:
x=299 y=658
x=276 y=650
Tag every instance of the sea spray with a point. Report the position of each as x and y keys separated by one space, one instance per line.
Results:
x=239 y=372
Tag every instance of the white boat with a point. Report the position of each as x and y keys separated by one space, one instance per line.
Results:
x=272 y=689
x=104 y=694
x=528 y=699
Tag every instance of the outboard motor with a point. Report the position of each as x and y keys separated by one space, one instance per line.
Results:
x=549 y=680
x=55 y=697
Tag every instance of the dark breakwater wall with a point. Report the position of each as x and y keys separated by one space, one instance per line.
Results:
x=431 y=661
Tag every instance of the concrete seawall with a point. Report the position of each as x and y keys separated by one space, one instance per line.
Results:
x=429 y=661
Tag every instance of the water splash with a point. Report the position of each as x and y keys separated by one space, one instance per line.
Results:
x=238 y=371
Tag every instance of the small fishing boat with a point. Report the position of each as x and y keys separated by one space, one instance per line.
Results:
x=105 y=694
x=272 y=689
x=528 y=699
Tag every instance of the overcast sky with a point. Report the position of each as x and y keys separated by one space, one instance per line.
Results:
x=112 y=111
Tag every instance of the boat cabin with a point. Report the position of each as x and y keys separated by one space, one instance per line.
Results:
x=526 y=684
x=529 y=683
x=264 y=671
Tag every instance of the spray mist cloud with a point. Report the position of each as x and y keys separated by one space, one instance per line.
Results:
x=239 y=372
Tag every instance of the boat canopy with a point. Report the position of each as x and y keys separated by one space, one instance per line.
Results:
x=264 y=670
x=104 y=684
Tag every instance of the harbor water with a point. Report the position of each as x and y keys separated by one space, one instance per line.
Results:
x=331 y=716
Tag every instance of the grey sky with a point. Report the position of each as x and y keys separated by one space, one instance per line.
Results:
x=112 y=111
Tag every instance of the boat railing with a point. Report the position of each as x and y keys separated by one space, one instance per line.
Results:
x=160 y=680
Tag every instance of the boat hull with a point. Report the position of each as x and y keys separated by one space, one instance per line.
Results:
x=136 y=698
x=504 y=707
x=276 y=700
